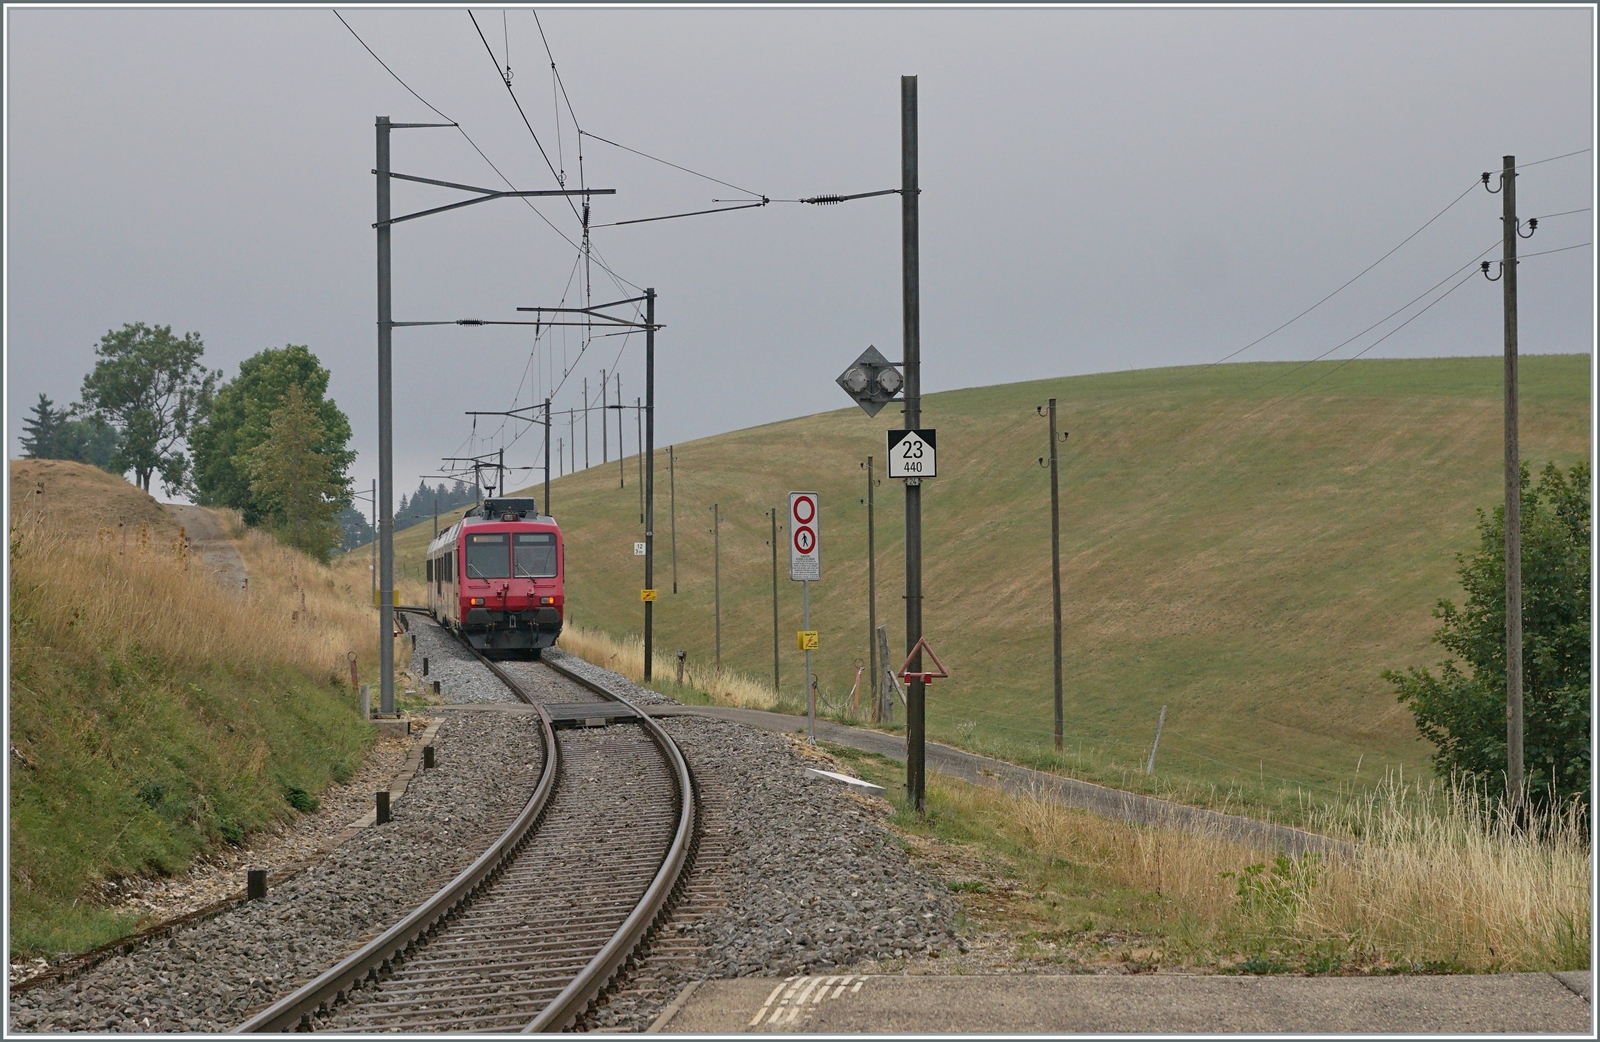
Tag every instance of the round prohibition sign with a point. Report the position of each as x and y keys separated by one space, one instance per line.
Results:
x=805 y=511
x=805 y=540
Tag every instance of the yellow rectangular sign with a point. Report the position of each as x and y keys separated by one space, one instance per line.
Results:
x=647 y=595
x=806 y=640
x=394 y=598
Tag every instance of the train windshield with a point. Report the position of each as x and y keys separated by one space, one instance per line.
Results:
x=487 y=556
x=535 y=555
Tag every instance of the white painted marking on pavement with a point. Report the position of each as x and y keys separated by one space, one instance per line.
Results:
x=822 y=992
x=762 y=1011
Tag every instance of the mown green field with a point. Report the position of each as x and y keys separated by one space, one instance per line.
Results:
x=1250 y=561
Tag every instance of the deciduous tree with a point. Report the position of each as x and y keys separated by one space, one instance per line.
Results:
x=239 y=418
x=1462 y=711
x=151 y=386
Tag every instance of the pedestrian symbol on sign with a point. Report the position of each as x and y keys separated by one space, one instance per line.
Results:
x=805 y=551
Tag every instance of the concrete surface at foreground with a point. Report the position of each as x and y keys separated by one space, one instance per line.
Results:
x=1517 y=1003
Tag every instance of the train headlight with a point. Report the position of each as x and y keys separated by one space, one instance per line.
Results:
x=475 y=601
x=547 y=600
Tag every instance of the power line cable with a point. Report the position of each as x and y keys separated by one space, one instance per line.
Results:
x=553 y=69
x=1363 y=351
x=673 y=216
x=1357 y=275
x=391 y=72
x=462 y=130
x=1381 y=321
x=675 y=166
x=1552 y=159
x=1559 y=249
x=507 y=81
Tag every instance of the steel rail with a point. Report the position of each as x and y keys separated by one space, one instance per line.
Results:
x=389 y=948
x=575 y=998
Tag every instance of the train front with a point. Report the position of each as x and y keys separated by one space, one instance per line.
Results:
x=511 y=586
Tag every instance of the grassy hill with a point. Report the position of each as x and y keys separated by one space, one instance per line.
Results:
x=155 y=714
x=1250 y=561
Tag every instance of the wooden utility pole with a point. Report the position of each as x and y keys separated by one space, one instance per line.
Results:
x=716 y=573
x=672 y=494
x=1055 y=565
x=1513 y=468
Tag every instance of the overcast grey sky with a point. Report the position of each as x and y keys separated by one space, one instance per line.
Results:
x=1102 y=190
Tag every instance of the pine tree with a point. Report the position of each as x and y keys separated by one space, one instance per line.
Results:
x=39 y=429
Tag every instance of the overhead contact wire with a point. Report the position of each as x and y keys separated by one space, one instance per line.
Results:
x=525 y=122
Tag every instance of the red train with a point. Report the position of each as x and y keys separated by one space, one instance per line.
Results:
x=495 y=577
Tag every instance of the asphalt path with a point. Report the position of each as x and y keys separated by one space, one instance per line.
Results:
x=214 y=546
x=982 y=770
x=1515 y=1003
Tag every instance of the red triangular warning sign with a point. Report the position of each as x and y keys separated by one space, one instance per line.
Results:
x=922 y=645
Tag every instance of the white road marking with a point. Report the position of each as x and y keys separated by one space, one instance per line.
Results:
x=762 y=1011
x=822 y=992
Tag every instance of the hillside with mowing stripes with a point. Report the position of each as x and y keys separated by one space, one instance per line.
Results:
x=1248 y=557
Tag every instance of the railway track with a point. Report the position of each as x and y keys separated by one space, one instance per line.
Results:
x=532 y=932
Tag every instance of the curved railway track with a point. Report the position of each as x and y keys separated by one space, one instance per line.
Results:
x=534 y=930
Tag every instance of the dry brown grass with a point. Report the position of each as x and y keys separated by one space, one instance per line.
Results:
x=1444 y=875
x=626 y=656
x=1439 y=880
x=108 y=553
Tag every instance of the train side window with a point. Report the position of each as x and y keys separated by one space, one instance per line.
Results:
x=430 y=569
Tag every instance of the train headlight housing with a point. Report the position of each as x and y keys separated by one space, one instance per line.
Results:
x=547 y=600
x=475 y=601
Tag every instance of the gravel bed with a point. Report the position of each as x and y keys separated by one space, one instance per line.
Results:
x=814 y=882
x=210 y=976
x=611 y=681
x=461 y=676
x=545 y=685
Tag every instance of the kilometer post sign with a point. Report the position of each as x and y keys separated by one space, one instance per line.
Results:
x=805 y=537
x=912 y=455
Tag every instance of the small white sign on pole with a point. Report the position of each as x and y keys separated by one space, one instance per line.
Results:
x=912 y=454
x=638 y=549
x=805 y=537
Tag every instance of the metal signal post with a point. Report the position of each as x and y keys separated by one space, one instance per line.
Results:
x=386 y=326
x=865 y=382
x=649 y=325
x=916 y=692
